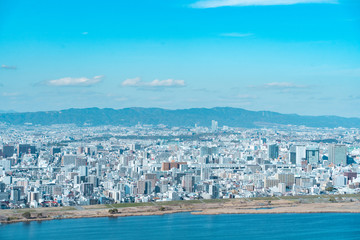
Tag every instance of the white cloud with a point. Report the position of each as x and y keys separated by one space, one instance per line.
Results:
x=131 y=82
x=136 y=82
x=234 y=34
x=69 y=81
x=167 y=83
x=282 y=85
x=8 y=67
x=85 y=33
x=230 y=3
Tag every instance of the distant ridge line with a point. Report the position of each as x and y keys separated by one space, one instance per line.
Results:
x=233 y=117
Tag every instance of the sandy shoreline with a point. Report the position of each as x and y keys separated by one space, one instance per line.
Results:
x=301 y=208
x=234 y=206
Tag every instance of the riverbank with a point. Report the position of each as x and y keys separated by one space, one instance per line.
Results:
x=268 y=205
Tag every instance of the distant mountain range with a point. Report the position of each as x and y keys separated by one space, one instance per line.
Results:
x=234 y=117
x=7 y=111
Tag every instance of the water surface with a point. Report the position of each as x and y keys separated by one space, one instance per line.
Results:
x=186 y=226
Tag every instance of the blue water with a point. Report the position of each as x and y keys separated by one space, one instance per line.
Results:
x=186 y=226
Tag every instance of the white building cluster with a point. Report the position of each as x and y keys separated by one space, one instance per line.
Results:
x=66 y=165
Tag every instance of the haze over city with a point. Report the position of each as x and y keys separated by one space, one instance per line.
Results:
x=282 y=56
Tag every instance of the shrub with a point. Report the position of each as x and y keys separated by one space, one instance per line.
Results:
x=26 y=215
x=113 y=211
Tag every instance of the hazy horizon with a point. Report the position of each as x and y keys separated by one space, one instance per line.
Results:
x=174 y=109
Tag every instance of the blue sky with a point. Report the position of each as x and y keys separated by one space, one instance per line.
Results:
x=290 y=56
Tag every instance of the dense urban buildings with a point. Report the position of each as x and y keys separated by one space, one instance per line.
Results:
x=68 y=165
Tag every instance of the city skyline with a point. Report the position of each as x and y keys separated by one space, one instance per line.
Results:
x=288 y=56
x=115 y=166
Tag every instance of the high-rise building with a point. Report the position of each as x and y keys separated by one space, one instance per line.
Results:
x=292 y=154
x=300 y=154
x=273 y=151
x=148 y=187
x=214 y=126
x=144 y=187
x=312 y=155
x=140 y=186
x=15 y=194
x=282 y=188
x=33 y=196
x=8 y=151
x=94 y=180
x=86 y=189
x=25 y=149
x=287 y=178
x=205 y=173
x=188 y=183
x=214 y=191
x=55 y=150
x=152 y=178
x=2 y=187
x=83 y=171
x=98 y=169
x=204 y=151
x=87 y=150
x=337 y=154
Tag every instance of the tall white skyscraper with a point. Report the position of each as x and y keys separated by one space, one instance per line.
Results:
x=300 y=154
x=337 y=154
x=214 y=126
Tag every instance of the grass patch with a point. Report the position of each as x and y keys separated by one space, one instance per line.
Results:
x=25 y=210
x=190 y=202
x=60 y=209
x=99 y=206
x=166 y=203
x=124 y=205
x=264 y=198
x=216 y=200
